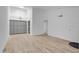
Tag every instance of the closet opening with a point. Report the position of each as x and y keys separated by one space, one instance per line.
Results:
x=20 y=20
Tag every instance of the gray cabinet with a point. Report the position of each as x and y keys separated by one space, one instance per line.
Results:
x=18 y=27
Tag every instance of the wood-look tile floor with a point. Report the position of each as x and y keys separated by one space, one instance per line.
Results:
x=23 y=43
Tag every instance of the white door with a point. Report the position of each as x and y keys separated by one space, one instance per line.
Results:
x=45 y=26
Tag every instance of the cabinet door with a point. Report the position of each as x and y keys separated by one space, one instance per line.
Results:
x=17 y=27
x=28 y=26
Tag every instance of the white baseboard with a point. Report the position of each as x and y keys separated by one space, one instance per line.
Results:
x=37 y=34
x=61 y=37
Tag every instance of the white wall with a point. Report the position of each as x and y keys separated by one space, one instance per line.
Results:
x=37 y=21
x=66 y=27
x=24 y=13
x=3 y=26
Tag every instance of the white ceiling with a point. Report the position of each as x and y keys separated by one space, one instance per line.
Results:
x=43 y=7
x=47 y=7
x=50 y=7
